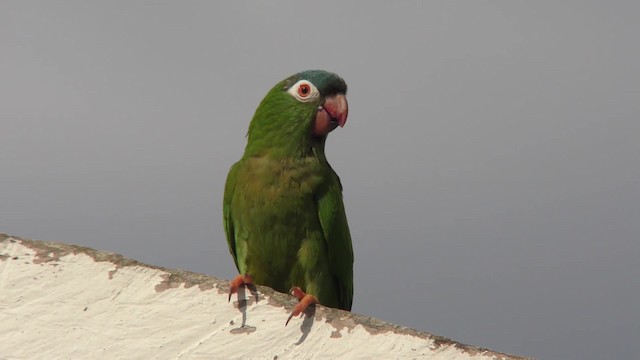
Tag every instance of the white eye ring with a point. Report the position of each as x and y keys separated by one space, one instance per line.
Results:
x=304 y=91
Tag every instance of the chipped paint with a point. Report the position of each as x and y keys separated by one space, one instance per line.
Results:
x=67 y=301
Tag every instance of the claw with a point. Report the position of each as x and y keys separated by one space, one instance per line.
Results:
x=304 y=302
x=240 y=280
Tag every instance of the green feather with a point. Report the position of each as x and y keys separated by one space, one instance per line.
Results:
x=283 y=211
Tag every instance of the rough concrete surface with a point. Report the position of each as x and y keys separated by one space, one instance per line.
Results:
x=60 y=301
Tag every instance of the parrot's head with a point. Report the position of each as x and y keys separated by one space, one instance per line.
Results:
x=300 y=111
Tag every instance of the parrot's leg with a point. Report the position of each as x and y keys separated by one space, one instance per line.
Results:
x=240 y=280
x=304 y=301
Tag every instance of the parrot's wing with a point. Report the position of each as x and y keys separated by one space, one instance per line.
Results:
x=227 y=219
x=336 y=233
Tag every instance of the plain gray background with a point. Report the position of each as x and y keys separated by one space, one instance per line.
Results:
x=490 y=162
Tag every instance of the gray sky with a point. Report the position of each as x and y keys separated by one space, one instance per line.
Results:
x=490 y=161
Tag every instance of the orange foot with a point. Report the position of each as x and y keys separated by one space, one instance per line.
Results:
x=304 y=302
x=240 y=280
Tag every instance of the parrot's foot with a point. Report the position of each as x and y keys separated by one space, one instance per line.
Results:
x=240 y=280
x=305 y=301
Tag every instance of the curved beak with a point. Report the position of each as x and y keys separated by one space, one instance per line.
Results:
x=337 y=108
x=330 y=114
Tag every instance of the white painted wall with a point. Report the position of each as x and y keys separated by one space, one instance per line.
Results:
x=62 y=301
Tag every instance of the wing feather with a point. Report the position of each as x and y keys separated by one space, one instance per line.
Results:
x=335 y=228
x=227 y=219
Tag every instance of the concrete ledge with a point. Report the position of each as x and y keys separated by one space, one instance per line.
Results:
x=68 y=301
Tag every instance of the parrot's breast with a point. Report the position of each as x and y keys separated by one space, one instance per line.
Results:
x=277 y=218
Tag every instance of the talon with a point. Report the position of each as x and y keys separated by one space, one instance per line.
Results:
x=304 y=302
x=240 y=280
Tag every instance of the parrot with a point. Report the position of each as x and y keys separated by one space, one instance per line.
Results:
x=283 y=211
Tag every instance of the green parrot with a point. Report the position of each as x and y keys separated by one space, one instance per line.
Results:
x=283 y=212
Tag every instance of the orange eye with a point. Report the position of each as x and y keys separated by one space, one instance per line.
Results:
x=304 y=90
